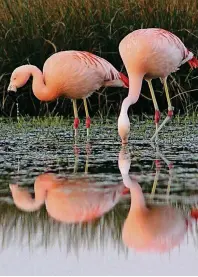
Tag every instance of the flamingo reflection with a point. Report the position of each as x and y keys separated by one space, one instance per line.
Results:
x=70 y=200
x=157 y=228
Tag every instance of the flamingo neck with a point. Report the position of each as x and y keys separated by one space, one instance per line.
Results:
x=38 y=201
x=137 y=196
x=41 y=91
x=135 y=84
x=35 y=204
x=40 y=196
x=24 y=201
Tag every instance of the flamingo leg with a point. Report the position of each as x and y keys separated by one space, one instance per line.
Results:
x=88 y=120
x=157 y=172
x=170 y=167
x=87 y=164
x=169 y=182
x=76 y=164
x=170 y=110
x=157 y=112
x=76 y=119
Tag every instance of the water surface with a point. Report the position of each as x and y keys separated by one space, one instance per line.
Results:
x=72 y=212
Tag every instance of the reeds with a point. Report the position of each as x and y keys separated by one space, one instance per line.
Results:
x=30 y=31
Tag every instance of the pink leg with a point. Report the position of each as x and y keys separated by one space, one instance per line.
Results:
x=170 y=110
x=168 y=118
x=76 y=119
x=76 y=124
x=157 y=118
x=157 y=163
x=88 y=122
x=88 y=148
x=76 y=150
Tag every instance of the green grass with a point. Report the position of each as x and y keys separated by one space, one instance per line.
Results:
x=30 y=31
x=142 y=122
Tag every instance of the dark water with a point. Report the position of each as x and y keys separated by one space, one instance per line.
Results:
x=69 y=210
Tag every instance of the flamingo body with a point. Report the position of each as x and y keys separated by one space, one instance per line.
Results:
x=79 y=73
x=73 y=74
x=148 y=54
x=153 y=52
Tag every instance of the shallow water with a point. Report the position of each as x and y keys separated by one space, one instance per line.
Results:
x=81 y=219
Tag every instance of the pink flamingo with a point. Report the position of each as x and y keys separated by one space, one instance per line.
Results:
x=68 y=200
x=73 y=74
x=150 y=53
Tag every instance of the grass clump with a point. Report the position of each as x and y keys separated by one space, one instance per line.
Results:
x=33 y=30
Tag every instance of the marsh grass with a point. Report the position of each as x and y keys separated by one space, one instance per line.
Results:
x=42 y=231
x=33 y=30
x=181 y=128
x=37 y=229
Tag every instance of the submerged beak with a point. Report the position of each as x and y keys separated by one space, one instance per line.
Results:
x=12 y=88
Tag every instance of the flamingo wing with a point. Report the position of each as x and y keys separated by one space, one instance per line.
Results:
x=174 y=40
x=106 y=69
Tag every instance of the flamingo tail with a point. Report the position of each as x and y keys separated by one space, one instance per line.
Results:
x=193 y=62
x=124 y=79
x=120 y=81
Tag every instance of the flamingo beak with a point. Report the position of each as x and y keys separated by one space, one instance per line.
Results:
x=11 y=88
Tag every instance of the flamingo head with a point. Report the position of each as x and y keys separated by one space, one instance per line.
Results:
x=124 y=161
x=23 y=199
x=19 y=78
x=124 y=127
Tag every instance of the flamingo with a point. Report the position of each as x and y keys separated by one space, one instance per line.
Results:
x=68 y=200
x=73 y=74
x=148 y=54
x=157 y=228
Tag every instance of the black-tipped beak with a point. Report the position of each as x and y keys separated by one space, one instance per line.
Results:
x=12 y=94
x=11 y=91
x=12 y=88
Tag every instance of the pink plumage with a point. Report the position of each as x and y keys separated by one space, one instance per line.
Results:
x=154 y=52
x=73 y=74
x=149 y=54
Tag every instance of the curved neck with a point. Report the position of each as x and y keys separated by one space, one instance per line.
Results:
x=24 y=201
x=35 y=204
x=41 y=91
x=137 y=196
x=135 y=84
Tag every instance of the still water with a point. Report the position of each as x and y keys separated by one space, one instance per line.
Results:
x=98 y=208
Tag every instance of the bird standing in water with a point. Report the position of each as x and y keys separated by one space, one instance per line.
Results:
x=149 y=54
x=73 y=74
